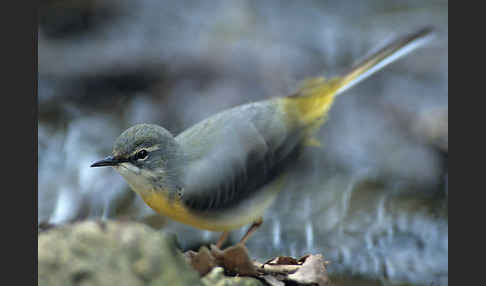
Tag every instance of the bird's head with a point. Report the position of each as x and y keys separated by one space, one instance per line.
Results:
x=147 y=156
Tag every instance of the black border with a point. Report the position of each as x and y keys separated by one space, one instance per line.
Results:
x=19 y=141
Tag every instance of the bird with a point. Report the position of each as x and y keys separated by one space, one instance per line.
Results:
x=223 y=172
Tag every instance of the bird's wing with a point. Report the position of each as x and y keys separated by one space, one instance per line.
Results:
x=234 y=154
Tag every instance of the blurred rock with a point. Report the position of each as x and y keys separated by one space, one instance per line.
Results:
x=110 y=253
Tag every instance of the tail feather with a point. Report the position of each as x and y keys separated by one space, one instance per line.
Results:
x=385 y=56
x=316 y=95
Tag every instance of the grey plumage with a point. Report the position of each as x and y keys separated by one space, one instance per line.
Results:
x=236 y=153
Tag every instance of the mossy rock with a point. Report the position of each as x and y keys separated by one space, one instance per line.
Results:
x=111 y=253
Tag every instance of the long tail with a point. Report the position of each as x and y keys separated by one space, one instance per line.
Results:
x=316 y=95
x=392 y=52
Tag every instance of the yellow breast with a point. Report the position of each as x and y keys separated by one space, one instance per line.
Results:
x=236 y=217
x=177 y=211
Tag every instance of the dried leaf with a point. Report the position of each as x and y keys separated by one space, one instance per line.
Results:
x=313 y=270
x=203 y=261
x=308 y=269
x=283 y=260
x=279 y=269
x=235 y=259
x=302 y=259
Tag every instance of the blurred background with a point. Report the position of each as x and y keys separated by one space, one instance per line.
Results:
x=373 y=200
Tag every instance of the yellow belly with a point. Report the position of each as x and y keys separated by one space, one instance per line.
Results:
x=229 y=220
x=178 y=212
x=224 y=222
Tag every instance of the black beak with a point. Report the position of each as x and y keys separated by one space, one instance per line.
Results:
x=108 y=161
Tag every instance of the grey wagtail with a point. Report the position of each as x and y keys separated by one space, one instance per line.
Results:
x=223 y=172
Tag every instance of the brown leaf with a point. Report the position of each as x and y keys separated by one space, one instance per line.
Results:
x=302 y=259
x=313 y=270
x=235 y=259
x=283 y=260
x=308 y=269
x=203 y=261
x=275 y=269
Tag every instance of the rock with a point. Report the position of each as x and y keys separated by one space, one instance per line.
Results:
x=217 y=278
x=129 y=253
x=111 y=253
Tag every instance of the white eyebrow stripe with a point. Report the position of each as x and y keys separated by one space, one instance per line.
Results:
x=148 y=149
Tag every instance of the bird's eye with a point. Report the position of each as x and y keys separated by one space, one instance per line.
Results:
x=141 y=154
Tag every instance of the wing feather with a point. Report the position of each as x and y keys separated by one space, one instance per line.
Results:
x=241 y=150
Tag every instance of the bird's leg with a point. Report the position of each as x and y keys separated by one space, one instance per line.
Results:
x=222 y=239
x=256 y=224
